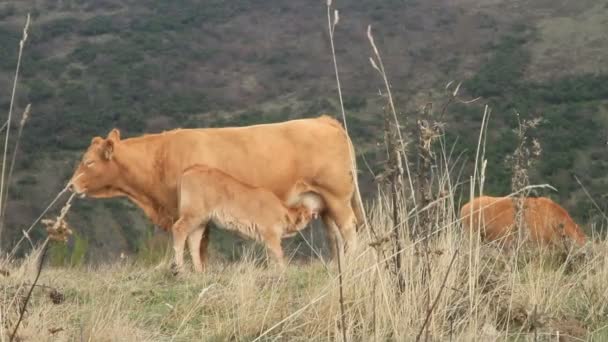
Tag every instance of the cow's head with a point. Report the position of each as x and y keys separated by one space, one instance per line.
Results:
x=576 y=233
x=97 y=172
x=569 y=230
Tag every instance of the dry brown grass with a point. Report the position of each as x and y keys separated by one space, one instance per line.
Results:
x=547 y=292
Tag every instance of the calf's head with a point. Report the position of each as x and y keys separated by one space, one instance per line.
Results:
x=97 y=173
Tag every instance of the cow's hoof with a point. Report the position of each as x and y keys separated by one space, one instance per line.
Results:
x=174 y=270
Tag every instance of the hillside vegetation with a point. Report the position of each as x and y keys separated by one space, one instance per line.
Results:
x=147 y=66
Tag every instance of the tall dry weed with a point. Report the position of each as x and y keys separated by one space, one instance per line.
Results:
x=5 y=182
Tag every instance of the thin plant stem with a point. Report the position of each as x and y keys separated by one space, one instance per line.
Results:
x=10 y=115
x=4 y=202
x=29 y=294
x=331 y=28
x=342 y=314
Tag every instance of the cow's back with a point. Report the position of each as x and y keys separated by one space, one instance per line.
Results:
x=544 y=220
x=272 y=156
x=492 y=216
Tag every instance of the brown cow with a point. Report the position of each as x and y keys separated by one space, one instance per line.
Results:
x=546 y=221
x=274 y=156
x=208 y=194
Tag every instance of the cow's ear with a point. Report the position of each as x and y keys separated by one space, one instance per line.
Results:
x=108 y=149
x=114 y=135
x=96 y=140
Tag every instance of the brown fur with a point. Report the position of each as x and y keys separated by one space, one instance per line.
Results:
x=545 y=220
x=208 y=194
x=274 y=156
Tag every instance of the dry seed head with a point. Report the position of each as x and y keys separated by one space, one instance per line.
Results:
x=534 y=122
x=457 y=89
x=26 y=114
x=336 y=17
x=536 y=149
x=371 y=60
x=58 y=229
x=371 y=39
x=27 y=25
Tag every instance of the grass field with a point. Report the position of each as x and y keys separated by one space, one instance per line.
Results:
x=529 y=294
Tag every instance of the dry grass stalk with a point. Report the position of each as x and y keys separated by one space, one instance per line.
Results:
x=29 y=294
x=8 y=121
x=428 y=131
x=430 y=311
x=474 y=252
x=341 y=287
x=378 y=65
x=430 y=187
x=392 y=176
x=24 y=118
x=521 y=161
x=331 y=24
x=58 y=230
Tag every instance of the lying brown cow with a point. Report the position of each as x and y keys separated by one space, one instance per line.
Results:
x=545 y=220
x=146 y=169
x=208 y=194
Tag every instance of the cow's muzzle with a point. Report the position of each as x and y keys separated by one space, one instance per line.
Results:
x=79 y=192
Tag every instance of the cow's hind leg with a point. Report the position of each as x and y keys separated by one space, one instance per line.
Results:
x=181 y=229
x=341 y=212
x=334 y=239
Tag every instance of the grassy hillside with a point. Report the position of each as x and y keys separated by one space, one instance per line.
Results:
x=146 y=66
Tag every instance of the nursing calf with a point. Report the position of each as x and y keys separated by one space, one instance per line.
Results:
x=544 y=221
x=208 y=194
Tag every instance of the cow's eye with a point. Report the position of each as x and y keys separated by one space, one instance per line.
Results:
x=89 y=163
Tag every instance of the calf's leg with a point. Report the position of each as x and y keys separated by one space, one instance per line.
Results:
x=194 y=241
x=273 y=244
x=203 y=244
x=181 y=229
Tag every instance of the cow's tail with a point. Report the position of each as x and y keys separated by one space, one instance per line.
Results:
x=356 y=201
